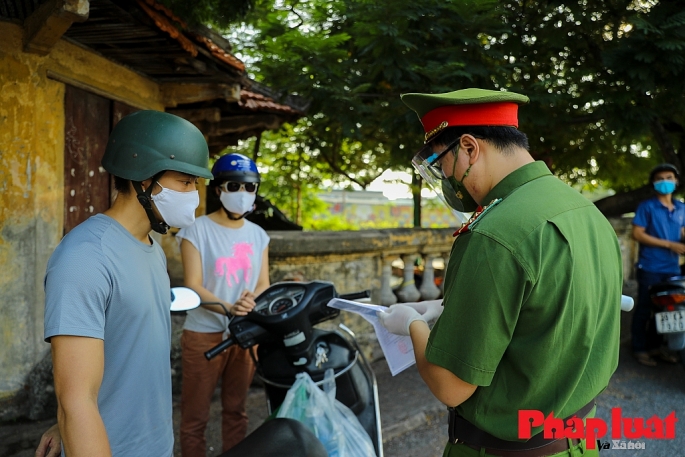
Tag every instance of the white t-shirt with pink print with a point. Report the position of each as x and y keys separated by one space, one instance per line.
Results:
x=231 y=262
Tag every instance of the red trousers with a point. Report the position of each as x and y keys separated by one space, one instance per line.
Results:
x=235 y=368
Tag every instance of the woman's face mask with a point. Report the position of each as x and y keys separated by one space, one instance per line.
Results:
x=664 y=187
x=177 y=208
x=239 y=202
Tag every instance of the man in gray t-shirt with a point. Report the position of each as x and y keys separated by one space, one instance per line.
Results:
x=103 y=283
x=107 y=296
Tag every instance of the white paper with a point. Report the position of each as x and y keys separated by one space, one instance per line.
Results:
x=398 y=350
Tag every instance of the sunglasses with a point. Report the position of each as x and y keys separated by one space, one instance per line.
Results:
x=236 y=186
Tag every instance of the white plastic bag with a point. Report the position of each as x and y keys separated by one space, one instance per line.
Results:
x=333 y=423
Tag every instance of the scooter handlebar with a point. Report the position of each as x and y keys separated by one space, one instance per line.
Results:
x=626 y=303
x=219 y=348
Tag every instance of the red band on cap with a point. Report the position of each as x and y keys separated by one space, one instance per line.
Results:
x=501 y=113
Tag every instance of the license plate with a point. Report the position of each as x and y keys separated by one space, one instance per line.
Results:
x=670 y=322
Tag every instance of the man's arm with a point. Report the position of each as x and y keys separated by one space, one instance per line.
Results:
x=78 y=366
x=640 y=235
x=446 y=387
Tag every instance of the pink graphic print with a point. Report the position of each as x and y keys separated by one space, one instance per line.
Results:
x=229 y=266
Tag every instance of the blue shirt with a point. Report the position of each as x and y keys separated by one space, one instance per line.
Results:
x=103 y=283
x=661 y=223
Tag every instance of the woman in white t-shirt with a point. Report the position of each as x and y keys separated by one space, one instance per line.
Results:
x=226 y=260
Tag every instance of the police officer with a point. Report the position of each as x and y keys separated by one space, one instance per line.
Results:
x=531 y=306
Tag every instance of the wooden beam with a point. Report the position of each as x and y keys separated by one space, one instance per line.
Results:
x=174 y=94
x=47 y=24
x=56 y=76
x=198 y=115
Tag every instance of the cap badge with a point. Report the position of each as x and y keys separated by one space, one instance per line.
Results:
x=435 y=131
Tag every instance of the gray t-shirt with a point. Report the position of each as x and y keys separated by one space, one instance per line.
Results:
x=231 y=263
x=103 y=283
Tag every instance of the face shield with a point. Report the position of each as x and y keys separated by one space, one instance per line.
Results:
x=426 y=162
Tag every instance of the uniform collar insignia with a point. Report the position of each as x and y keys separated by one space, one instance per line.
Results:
x=476 y=216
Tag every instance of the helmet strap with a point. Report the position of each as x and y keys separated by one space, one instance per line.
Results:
x=145 y=199
x=232 y=217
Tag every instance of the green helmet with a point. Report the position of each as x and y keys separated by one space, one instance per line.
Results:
x=146 y=143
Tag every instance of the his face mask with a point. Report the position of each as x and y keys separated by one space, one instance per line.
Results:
x=664 y=187
x=238 y=202
x=177 y=208
x=459 y=191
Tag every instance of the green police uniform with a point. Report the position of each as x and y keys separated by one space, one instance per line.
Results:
x=533 y=285
x=532 y=303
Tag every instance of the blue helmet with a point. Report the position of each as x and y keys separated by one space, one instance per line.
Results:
x=235 y=168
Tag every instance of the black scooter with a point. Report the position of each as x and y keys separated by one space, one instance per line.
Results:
x=282 y=324
x=668 y=303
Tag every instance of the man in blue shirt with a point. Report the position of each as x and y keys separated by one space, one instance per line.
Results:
x=658 y=227
x=107 y=296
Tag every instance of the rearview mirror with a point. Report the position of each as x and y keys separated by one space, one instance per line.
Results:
x=184 y=299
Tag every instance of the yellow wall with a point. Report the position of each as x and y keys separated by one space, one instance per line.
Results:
x=32 y=181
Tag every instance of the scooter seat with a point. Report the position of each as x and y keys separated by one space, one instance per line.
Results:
x=279 y=438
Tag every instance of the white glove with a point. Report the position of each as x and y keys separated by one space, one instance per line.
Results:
x=430 y=310
x=398 y=318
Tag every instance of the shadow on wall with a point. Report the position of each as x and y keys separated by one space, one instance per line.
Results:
x=36 y=401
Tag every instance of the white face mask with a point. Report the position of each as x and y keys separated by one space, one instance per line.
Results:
x=177 y=208
x=238 y=202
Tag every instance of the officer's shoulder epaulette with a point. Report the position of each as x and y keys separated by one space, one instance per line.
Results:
x=477 y=216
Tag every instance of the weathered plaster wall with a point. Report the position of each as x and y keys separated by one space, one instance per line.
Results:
x=629 y=247
x=31 y=181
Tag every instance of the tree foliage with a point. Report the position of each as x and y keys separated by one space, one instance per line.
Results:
x=604 y=78
x=353 y=59
x=217 y=13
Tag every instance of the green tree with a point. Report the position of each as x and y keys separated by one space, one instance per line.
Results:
x=605 y=82
x=216 y=13
x=352 y=59
x=604 y=78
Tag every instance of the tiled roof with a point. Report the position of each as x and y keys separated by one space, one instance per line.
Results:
x=257 y=102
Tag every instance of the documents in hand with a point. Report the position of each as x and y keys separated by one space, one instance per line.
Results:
x=398 y=350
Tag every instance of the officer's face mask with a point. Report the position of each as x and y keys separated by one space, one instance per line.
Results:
x=448 y=189
x=664 y=187
x=176 y=208
x=468 y=204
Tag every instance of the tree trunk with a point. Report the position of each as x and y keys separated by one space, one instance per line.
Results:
x=257 y=144
x=416 y=196
x=624 y=202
